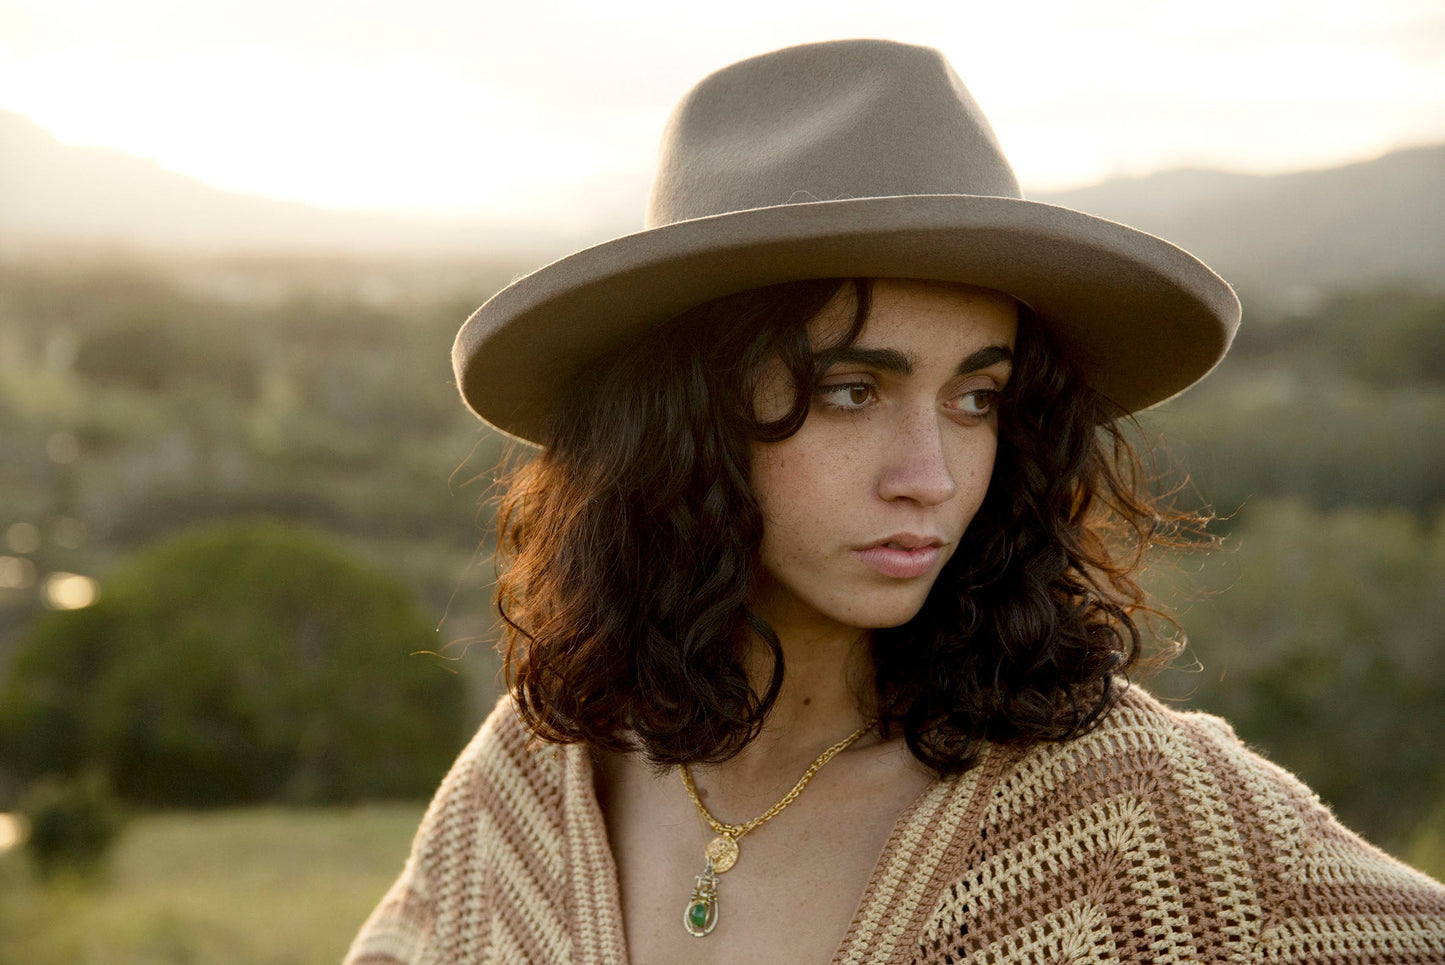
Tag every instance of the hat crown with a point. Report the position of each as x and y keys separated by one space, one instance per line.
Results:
x=824 y=122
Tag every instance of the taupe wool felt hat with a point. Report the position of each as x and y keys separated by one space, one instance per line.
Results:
x=855 y=158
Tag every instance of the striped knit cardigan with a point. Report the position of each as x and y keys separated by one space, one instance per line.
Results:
x=1158 y=838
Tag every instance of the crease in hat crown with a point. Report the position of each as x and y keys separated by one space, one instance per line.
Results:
x=837 y=159
x=827 y=121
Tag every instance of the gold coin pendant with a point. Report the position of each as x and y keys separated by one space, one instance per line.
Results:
x=722 y=851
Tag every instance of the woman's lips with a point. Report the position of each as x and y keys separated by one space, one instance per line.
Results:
x=899 y=559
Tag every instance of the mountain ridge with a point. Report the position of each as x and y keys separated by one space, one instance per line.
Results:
x=1368 y=221
x=57 y=193
x=1360 y=223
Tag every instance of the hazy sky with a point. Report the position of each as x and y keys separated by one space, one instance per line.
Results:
x=543 y=106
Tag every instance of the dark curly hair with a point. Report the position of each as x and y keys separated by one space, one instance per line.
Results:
x=628 y=549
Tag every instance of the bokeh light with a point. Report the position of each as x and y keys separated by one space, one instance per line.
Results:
x=14 y=829
x=16 y=573
x=22 y=537
x=69 y=591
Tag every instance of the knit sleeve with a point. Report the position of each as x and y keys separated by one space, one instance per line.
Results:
x=1324 y=893
x=1159 y=837
x=484 y=874
x=398 y=930
x=402 y=927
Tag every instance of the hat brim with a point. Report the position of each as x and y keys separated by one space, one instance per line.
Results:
x=1141 y=317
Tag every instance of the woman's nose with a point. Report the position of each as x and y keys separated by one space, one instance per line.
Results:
x=916 y=463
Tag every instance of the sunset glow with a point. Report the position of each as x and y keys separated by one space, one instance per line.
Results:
x=449 y=108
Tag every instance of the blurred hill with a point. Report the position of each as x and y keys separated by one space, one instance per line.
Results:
x=1328 y=229
x=55 y=192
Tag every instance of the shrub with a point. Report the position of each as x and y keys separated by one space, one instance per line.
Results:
x=237 y=663
x=73 y=823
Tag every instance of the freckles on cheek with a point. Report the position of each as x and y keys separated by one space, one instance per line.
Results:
x=980 y=473
x=781 y=486
x=802 y=496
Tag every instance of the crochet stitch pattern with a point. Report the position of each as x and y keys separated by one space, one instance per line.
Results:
x=1156 y=838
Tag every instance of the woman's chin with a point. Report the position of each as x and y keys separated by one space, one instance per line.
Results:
x=882 y=615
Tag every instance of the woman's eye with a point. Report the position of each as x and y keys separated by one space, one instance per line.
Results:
x=849 y=395
x=979 y=402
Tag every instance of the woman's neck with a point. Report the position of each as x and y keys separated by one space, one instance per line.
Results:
x=827 y=693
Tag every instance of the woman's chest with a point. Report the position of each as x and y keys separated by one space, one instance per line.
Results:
x=789 y=898
x=783 y=902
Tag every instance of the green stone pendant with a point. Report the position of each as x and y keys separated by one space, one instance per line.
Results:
x=701 y=915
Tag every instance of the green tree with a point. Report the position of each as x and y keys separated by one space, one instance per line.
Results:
x=237 y=663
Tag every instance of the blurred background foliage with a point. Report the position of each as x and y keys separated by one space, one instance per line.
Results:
x=237 y=663
x=262 y=466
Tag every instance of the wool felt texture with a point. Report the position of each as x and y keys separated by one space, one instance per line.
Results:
x=859 y=158
x=1155 y=838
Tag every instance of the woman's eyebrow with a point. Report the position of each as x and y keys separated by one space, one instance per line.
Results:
x=984 y=357
x=882 y=359
x=902 y=363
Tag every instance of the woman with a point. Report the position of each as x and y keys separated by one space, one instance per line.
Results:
x=820 y=593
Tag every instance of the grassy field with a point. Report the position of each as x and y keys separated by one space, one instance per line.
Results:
x=268 y=885
x=274 y=885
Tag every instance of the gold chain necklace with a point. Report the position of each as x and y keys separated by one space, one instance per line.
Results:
x=721 y=852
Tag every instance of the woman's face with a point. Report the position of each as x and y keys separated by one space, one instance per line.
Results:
x=867 y=501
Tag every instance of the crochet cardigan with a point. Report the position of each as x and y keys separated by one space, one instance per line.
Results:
x=1157 y=837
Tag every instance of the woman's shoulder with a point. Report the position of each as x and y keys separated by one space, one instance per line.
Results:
x=1190 y=771
x=504 y=783
x=1169 y=810
x=1141 y=746
x=503 y=749
x=502 y=811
